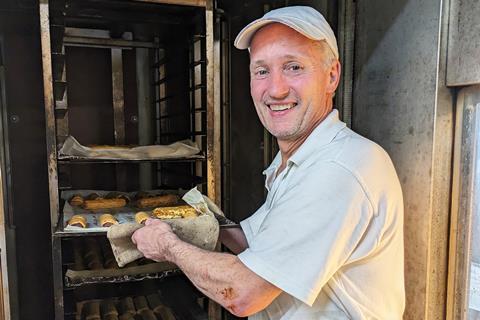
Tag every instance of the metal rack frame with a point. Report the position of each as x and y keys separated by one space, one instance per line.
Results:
x=213 y=134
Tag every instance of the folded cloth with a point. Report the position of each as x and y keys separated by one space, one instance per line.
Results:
x=201 y=231
x=120 y=237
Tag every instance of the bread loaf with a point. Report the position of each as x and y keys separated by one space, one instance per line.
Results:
x=141 y=217
x=154 y=302
x=157 y=201
x=76 y=200
x=93 y=196
x=164 y=313
x=92 y=310
x=148 y=315
x=127 y=306
x=177 y=212
x=108 y=308
x=78 y=221
x=106 y=220
x=140 y=303
x=104 y=203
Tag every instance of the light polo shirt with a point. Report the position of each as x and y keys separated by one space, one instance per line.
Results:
x=330 y=233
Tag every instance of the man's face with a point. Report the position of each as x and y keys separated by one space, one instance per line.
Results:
x=290 y=81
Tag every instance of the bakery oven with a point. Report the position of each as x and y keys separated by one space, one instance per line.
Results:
x=118 y=74
x=132 y=116
x=114 y=103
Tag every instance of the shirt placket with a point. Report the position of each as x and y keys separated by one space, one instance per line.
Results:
x=277 y=183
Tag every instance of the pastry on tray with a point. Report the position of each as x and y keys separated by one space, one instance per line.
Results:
x=92 y=196
x=107 y=220
x=102 y=203
x=141 y=217
x=117 y=195
x=157 y=201
x=76 y=200
x=177 y=212
x=78 y=221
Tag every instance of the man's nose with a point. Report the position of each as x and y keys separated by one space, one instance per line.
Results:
x=278 y=86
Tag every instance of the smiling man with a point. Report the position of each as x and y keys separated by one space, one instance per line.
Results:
x=328 y=241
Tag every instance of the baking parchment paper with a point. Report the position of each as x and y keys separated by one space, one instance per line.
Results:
x=180 y=149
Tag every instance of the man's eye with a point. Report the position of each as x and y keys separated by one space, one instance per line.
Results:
x=294 y=67
x=260 y=73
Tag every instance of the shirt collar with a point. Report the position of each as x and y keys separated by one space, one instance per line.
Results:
x=322 y=135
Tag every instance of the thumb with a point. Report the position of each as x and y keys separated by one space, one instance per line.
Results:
x=133 y=238
x=152 y=221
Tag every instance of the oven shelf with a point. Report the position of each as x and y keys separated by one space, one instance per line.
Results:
x=73 y=234
x=82 y=160
x=90 y=260
x=153 y=271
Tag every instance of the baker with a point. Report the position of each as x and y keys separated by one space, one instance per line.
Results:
x=328 y=241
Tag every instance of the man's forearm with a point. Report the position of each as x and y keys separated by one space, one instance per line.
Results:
x=222 y=277
x=212 y=273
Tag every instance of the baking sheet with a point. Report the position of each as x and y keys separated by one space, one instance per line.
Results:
x=72 y=149
x=123 y=215
x=148 y=271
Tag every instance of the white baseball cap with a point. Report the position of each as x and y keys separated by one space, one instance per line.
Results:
x=302 y=19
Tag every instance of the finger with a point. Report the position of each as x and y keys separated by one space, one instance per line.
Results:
x=133 y=238
x=150 y=221
x=154 y=221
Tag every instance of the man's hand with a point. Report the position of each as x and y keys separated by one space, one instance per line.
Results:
x=155 y=240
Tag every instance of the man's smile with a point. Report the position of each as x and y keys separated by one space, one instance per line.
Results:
x=281 y=107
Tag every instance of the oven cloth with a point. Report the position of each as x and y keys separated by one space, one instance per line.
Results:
x=201 y=231
x=180 y=149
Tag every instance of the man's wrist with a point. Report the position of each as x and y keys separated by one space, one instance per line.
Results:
x=173 y=249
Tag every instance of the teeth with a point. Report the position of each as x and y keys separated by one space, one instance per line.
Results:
x=281 y=107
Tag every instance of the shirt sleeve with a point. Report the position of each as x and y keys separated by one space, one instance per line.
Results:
x=309 y=231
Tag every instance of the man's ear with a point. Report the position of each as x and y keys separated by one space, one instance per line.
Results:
x=334 y=76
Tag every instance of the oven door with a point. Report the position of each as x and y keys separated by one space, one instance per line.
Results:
x=8 y=302
x=464 y=264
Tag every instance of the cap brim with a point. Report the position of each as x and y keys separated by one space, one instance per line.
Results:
x=242 y=41
x=244 y=37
